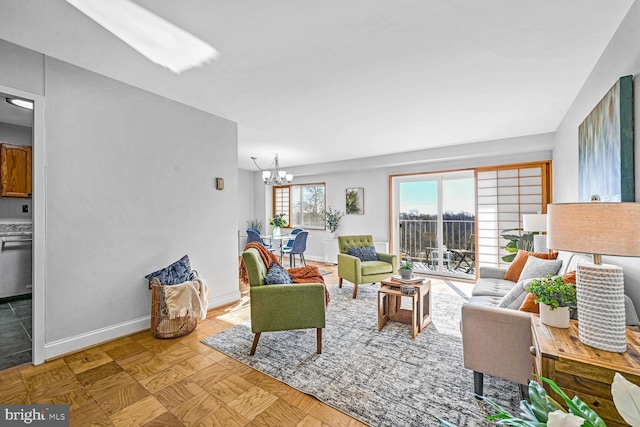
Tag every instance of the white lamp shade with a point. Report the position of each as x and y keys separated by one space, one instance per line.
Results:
x=534 y=222
x=595 y=228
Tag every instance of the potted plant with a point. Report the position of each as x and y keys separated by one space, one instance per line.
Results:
x=522 y=241
x=406 y=269
x=277 y=222
x=542 y=410
x=556 y=299
x=333 y=220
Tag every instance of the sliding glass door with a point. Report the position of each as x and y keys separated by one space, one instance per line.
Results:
x=434 y=222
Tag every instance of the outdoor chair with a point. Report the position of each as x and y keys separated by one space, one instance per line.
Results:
x=282 y=307
x=357 y=271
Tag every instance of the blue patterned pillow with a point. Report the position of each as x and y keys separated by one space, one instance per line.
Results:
x=178 y=272
x=277 y=275
x=365 y=253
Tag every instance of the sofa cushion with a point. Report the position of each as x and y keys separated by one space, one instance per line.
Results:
x=516 y=296
x=485 y=300
x=518 y=263
x=530 y=305
x=536 y=267
x=492 y=287
x=375 y=267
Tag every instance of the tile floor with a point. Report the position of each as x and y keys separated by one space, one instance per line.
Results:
x=15 y=333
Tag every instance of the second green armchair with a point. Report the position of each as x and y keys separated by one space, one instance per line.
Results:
x=356 y=271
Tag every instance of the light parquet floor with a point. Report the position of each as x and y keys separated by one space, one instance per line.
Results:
x=143 y=381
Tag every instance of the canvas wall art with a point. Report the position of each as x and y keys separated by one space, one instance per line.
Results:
x=605 y=147
x=354 y=201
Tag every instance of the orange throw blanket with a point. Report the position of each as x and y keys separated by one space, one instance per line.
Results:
x=307 y=274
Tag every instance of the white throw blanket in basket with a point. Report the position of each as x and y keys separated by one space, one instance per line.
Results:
x=190 y=297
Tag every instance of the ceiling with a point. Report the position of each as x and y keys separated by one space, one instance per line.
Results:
x=325 y=80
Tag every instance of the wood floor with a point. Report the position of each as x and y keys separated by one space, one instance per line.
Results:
x=143 y=381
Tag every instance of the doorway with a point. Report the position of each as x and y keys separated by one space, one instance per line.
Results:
x=434 y=223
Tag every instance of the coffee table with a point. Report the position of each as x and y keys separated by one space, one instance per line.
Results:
x=390 y=300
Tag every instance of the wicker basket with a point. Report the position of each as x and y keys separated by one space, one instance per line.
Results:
x=161 y=325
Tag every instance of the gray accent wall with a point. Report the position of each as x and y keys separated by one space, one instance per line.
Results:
x=130 y=188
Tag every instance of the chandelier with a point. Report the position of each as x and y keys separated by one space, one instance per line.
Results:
x=273 y=175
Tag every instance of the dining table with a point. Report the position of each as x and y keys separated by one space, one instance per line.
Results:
x=279 y=237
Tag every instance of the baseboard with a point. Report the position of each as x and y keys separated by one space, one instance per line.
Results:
x=89 y=339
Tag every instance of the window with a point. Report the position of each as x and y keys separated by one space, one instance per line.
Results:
x=303 y=205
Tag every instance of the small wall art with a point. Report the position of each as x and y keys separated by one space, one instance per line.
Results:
x=605 y=147
x=354 y=201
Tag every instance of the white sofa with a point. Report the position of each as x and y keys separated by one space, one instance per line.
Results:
x=496 y=341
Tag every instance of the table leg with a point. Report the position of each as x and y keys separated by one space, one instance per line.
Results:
x=414 y=315
x=383 y=309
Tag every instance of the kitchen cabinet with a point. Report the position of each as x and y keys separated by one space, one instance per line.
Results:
x=15 y=170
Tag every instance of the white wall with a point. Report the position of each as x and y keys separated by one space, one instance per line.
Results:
x=620 y=58
x=130 y=181
x=373 y=173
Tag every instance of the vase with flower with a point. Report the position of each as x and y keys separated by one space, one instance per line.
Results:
x=277 y=222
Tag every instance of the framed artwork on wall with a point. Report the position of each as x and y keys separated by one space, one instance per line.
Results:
x=605 y=147
x=354 y=201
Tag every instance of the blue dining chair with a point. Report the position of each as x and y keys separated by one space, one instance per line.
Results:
x=254 y=236
x=289 y=244
x=298 y=248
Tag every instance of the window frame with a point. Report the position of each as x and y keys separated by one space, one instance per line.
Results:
x=279 y=208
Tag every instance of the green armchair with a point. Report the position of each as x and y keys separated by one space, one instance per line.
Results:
x=282 y=307
x=358 y=272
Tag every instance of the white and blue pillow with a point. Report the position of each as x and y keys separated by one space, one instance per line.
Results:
x=178 y=272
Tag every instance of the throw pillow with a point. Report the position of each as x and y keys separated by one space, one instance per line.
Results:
x=277 y=275
x=529 y=304
x=536 y=267
x=174 y=274
x=514 y=298
x=569 y=277
x=516 y=266
x=365 y=253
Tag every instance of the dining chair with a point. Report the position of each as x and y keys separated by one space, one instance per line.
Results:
x=297 y=248
x=254 y=236
x=289 y=244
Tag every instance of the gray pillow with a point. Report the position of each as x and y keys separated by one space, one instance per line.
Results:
x=277 y=275
x=536 y=267
x=365 y=253
x=516 y=296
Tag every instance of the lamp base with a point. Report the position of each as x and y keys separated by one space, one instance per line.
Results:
x=601 y=314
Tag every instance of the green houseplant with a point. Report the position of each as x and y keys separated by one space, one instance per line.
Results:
x=406 y=269
x=556 y=299
x=542 y=410
x=523 y=241
x=333 y=219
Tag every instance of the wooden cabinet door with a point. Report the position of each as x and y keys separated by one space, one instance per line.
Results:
x=15 y=171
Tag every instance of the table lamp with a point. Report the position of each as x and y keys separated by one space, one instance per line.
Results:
x=536 y=222
x=598 y=229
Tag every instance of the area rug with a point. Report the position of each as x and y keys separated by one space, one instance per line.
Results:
x=382 y=378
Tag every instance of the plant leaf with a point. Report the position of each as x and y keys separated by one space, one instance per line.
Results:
x=577 y=406
x=562 y=419
x=626 y=397
x=444 y=423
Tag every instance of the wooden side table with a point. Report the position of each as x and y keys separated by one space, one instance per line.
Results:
x=581 y=370
x=390 y=300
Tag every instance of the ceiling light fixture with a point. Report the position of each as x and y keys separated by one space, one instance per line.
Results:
x=273 y=175
x=22 y=103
